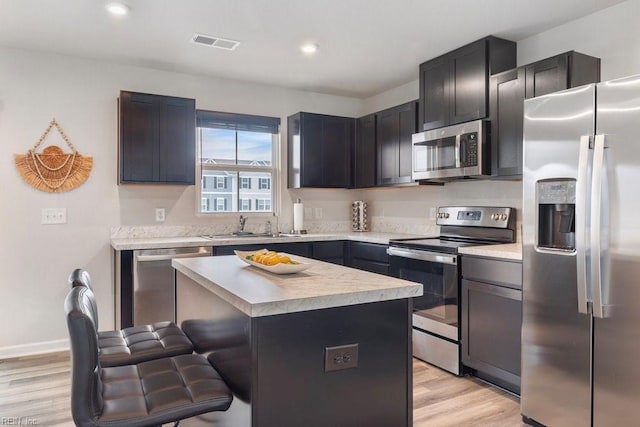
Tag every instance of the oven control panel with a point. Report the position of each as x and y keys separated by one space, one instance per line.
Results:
x=478 y=216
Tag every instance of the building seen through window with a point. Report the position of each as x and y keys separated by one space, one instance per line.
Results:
x=236 y=162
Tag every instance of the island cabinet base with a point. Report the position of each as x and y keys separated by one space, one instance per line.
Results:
x=280 y=372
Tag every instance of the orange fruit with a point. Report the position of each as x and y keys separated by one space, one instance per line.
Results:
x=284 y=259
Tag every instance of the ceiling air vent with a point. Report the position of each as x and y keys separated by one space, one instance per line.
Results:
x=211 y=41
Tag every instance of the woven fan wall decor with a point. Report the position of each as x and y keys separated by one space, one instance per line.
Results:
x=52 y=170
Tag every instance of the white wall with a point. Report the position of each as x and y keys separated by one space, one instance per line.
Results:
x=35 y=259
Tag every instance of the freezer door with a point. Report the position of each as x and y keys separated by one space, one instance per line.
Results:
x=617 y=336
x=556 y=338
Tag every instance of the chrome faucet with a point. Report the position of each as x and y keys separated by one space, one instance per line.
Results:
x=243 y=220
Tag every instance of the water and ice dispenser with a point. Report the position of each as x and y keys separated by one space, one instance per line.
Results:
x=556 y=201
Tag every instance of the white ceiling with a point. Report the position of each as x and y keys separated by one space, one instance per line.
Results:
x=366 y=46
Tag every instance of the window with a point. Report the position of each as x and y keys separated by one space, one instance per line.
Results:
x=221 y=182
x=264 y=183
x=263 y=204
x=235 y=151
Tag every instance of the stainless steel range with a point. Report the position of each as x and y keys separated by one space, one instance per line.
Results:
x=434 y=262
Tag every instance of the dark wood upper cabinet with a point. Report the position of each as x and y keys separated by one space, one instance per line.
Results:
x=434 y=93
x=319 y=150
x=454 y=88
x=156 y=139
x=564 y=71
x=394 y=128
x=364 y=167
x=509 y=89
x=507 y=108
x=468 y=84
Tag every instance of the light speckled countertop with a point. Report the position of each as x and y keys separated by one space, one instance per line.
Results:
x=260 y=293
x=512 y=251
x=122 y=244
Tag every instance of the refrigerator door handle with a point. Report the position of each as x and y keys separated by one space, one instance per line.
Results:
x=584 y=296
x=596 y=200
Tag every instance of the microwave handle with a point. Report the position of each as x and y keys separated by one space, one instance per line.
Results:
x=458 y=151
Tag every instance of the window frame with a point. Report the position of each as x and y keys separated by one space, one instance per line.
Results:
x=267 y=182
x=275 y=180
x=258 y=200
x=221 y=182
x=242 y=181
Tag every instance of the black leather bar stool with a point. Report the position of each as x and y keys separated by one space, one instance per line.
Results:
x=145 y=394
x=210 y=335
x=136 y=344
x=227 y=343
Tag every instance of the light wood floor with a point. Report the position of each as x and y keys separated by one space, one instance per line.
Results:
x=35 y=390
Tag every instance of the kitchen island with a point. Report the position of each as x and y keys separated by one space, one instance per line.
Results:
x=327 y=346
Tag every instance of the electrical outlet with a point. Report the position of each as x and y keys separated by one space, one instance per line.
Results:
x=432 y=213
x=54 y=216
x=318 y=213
x=160 y=215
x=308 y=213
x=340 y=357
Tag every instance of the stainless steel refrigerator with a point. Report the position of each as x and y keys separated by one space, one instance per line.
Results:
x=581 y=265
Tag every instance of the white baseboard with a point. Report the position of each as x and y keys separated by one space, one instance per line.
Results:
x=34 y=348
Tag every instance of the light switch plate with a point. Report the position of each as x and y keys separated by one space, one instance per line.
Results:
x=52 y=216
x=160 y=215
x=432 y=213
x=308 y=213
x=318 y=213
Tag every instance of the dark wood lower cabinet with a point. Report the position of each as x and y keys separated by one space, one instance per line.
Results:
x=330 y=251
x=361 y=255
x=491 y=320
x=296 y=248
x=369 y=257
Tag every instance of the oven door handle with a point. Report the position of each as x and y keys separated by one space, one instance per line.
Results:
x=422 y=255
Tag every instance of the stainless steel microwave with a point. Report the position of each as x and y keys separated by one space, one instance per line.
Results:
x=451 y=152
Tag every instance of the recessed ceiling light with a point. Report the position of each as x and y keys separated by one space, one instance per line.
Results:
x=119 y=9
x=309 y=48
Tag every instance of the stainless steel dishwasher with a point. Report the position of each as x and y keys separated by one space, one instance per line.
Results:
x=154 y=285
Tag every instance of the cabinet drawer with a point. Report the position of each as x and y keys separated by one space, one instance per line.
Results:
x=504 y=273
x=298 y=248
x=328 y=250
x=369 y=251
